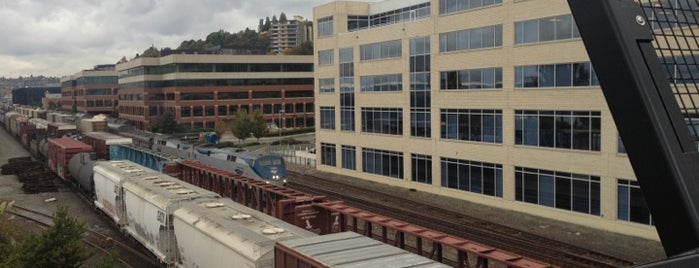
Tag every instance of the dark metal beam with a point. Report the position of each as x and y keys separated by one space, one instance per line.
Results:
x=618 y=39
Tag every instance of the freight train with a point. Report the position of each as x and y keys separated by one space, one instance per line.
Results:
x=34 y=132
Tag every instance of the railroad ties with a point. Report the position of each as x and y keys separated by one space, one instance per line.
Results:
x=35 y=178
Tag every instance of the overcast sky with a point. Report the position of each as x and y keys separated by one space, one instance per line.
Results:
x=62 y=37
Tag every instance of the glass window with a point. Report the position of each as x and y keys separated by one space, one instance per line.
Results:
x=349 y=157
x=381 y=162
x=327 y=154
x=421 y=168
x=325 y=57
x=325 y=26
x=476 y=177
x=568 y=191
x=577 y=130
x=545 y=29
x=327 y=117
x=484 y=37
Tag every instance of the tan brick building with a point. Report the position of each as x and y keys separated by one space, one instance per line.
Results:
x=90 y=91
x=489 y=101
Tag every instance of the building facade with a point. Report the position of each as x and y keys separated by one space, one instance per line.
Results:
x=32 y=96
x=91 y=91
x=290 y=34
x=493 y=102
x=202 y=89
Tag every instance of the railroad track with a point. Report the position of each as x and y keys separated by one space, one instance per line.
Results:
x=458 y=224
x=126 y=255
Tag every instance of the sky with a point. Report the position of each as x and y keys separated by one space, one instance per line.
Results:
x=63 y=37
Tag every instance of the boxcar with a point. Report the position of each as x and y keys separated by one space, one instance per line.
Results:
x=59 y=153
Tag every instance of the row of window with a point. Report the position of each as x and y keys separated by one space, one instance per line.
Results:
x=216 y=83
x=471 y=125
x=381 y=50
x=562 y=190
x=382 y=120
x=546 y=29
x=578 y=74
x=216 y=68
x=302 y=109
x=451 y=6
x=484 y=37
x=485 y=78
x=388 y=82
x=577 y=130
x=358 y=22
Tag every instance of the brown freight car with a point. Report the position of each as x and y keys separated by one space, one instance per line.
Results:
x=59 y=153
x=101 y=141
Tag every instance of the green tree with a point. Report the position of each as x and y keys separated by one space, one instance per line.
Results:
x=58 y=246
x=258 y=124
x=261 y=26
x=268 y=24
x=305 y=48
x=151 y=52
x=166 y=124
x=274 y=19
x=241 y=125
x=282 y=18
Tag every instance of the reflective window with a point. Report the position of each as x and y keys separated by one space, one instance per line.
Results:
x=327 y=154
x=349 y=157
x=562 y=190
x=546 y=29
x=486 y=78
x=485 y=37
x=382 y=120
x=631 y=205
x=325 y=26
x=389 y=82
x=382 y=162
x=421 y=168
x=573 y=130
x=471 y=176
x=327 y=117
x=326 y=85
x=471 y=125
x=578 y=74
x=450 y=6
x=382 y=50
x=325 y=57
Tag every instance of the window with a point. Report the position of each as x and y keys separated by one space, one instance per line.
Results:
x=266 y=94
x=346 y=89
x=573 y=130
x=326 y=85
x=384 y=163
x=196 y=96
x=451 y=6
x=620 y=148
x=325 y=57
x=327 y=154
x=485 y=37
x=327 y=117
x=349 y=157
x=389 y=82
x=631 y=205
x=420 y=87
x=233 y=95
x=382 y=50
x=471 y=176
x=419 y=11
x=299 y=94
x=421 y=168
x=568 y=191
x=546 y=29
x=486 y=78
x=579 y=74
x=382 y=120
x=471 y=125
x=325 y=26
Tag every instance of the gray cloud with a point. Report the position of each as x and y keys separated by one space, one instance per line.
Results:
x=61 y=37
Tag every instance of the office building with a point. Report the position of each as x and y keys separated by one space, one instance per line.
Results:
x=489 y=101
x=91 y=91
x=290 y=34
x=200 y=89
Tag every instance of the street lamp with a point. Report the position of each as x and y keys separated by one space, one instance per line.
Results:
x=281 y=113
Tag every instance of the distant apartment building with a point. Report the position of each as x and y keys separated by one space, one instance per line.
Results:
x=490 y=101
x=290 y=34
x=32 y=96
x=202 y=89
x=91 y=91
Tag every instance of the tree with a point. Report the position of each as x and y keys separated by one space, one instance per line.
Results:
x=58 y=246
x=268 y=24
x=261 y=26
x=166 y=124
x=241 y=125
x=282 y=18
x=274 y=19
x=122 y=60
x=258 y=124
x=305 y=48
x=151 y=52
x=220 y=128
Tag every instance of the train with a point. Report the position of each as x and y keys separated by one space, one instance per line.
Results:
x=99 y=133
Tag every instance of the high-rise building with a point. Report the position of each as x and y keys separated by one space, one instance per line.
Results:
x=201 y=89
x=490 y=101
x=290 y=33
x=90 y=91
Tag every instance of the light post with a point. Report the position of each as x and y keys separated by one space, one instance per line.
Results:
x=281 y=114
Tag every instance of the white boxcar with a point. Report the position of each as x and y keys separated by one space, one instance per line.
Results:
x=108 y=179
x=347 y=250
x=150 y=203
x=222 y=233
